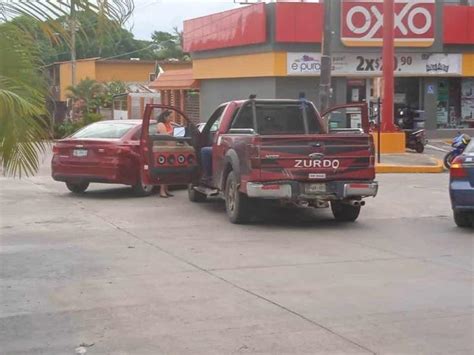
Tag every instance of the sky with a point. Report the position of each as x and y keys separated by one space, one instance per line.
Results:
x=163 y=15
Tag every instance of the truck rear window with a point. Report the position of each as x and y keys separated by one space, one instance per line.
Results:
x=277 y=119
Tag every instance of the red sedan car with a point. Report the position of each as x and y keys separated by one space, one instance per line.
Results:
x=104 y=152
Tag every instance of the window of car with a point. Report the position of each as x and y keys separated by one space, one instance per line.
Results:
x=470 y=148
x=279 y=118
x=216 y=118
x=105 y=130
x=151 y=131
x=243 y=118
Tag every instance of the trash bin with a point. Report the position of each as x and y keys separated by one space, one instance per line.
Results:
x=419 y=119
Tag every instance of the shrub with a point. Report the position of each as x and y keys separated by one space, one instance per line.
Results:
x=67 y=128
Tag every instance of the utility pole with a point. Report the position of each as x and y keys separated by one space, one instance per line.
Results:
x=72 y=28
x=326 y=59
x=388 y=66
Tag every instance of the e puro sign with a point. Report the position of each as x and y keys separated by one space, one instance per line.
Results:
x=362 y=23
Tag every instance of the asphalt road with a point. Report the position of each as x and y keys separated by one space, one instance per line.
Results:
x=108 y=273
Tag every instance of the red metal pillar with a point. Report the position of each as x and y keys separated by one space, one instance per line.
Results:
x=388 y=66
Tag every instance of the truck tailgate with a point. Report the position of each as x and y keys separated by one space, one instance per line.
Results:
x=316 y=157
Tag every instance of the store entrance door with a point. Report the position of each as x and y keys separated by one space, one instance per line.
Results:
x=356 y=90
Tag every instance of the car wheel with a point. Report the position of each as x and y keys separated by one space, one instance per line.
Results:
x=420 y=147
x=142 y=190
x=195 y=196
x=77 y=188
x=462 y=219
x=237 y=204
x=344 y=212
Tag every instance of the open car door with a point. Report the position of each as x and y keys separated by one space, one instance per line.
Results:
x=168 y=159
x=350 y=118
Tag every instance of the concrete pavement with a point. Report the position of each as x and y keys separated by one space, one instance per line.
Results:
x=108 y=273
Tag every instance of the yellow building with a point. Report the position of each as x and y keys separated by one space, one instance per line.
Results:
x=101 y=70
x=129 y=71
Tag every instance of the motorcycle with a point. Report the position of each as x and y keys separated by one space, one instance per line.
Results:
x=415 y=138
x=459 y=143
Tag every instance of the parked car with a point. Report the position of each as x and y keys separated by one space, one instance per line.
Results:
x=102 y=152
x=274 y=150
x=461 y=187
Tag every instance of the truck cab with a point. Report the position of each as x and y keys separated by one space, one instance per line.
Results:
x=279 y=150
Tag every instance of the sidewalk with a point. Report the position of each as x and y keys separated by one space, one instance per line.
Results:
x=409 y=163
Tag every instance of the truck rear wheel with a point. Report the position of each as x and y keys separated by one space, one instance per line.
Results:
x=344 y=212
x=195 y=196
x=237 y=204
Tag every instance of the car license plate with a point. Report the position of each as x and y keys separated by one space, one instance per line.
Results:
x=79 y=152
x=315 y=188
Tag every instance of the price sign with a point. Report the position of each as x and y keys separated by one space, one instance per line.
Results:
x=371 y=64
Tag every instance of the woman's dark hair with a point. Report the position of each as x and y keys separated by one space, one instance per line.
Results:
x=162 y=117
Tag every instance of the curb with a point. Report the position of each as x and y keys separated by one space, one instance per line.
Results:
x=410 y=169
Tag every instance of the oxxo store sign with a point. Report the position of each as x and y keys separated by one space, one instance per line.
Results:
x=309 y=64
x=362 y=23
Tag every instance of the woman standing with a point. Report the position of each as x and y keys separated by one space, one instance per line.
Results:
x=164 y=126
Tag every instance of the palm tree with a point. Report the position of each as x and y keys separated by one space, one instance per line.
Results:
x=87 y=94
x=22 y=89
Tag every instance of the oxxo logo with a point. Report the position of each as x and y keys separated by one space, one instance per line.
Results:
x=362 y=23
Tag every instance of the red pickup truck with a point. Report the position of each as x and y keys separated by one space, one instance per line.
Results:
x=280 y=150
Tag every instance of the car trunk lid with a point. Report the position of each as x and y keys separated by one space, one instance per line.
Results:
x=88 y=150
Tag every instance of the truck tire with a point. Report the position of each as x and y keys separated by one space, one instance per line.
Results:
x=237 y=204
x=195 y=196
x=77 y=187
x=343 y=212
x=462 y=219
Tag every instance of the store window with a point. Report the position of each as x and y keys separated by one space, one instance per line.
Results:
x=455 y=99
x=467 y=102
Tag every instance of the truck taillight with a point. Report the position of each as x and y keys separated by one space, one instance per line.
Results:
x=254 y=156
x=458 y=171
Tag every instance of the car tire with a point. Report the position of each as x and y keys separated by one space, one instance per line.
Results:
x=462 y=219
x=237 y=204
x=195 y=196
x=77 y=187
x=420 y=147
x=142 y=190
x=344 y=212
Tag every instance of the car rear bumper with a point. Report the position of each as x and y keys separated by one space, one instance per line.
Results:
x=294 y=190
x=462 y=196
x=113 y=172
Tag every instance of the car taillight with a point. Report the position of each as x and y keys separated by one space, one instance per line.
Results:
x=55 y=149
x=458 y=171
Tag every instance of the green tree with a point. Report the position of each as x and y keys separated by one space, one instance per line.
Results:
x=113 y=41
x=21 y=103
x=22 y=90
x=110 y=89
x=87 y=96
x=169 y=45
